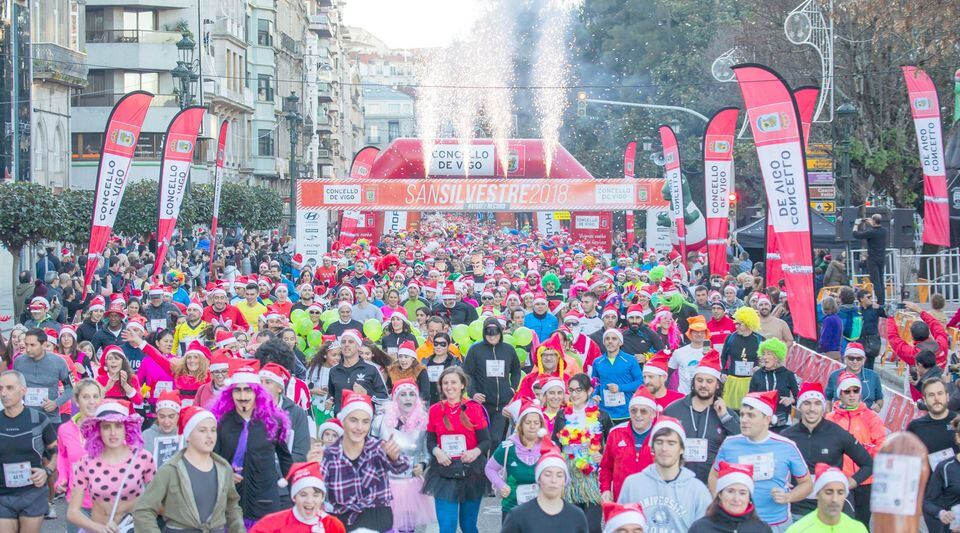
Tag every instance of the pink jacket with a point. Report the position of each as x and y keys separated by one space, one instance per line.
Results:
x=150 y=373
x=69 y=452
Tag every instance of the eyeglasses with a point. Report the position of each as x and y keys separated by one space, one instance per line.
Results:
x=572 y=390
x=571 y=324
x=851 y=358
x=441 y=343
x=314 y=312
x=491 y=331
x=851 y=390
x=487 y=298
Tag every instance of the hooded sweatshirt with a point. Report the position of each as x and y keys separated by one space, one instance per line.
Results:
x=494 y=369
x=668 y=505
x=781 y=380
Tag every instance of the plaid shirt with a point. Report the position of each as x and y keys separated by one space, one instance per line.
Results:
x=354 y=486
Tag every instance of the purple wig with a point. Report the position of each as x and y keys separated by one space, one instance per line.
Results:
x=274 y=419
x=90 y=429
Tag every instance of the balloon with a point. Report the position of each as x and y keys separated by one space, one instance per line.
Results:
x=373 y=329
x=298 y=314
x=459 y=330
x=476 y=329
x=521 y=354
x=522 y=336
x=309 y=353
x=462 y=338
x=301 y=343
x=303 y=326
x=508 y=338
x=329 y=316
x=315 y=339
x=326 y=323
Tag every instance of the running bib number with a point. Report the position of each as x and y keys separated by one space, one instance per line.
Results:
x=16 y=475
x=35 y=397
x=526 y=493
x=453 y=445
x=433 y=372
x=613 y=399
x=495 y=368
x=742 y=368
x=164 y=448
x=938 y=457
x=695 y=450
x=158 y=324
x=763 y=465
x=896 y=479
x=160 y=387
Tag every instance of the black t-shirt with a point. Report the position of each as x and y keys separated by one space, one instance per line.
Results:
x=530 y=518
x=23 y=439
x=936 y=435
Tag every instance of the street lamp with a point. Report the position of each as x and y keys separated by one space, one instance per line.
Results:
x=845 y=124
x=184 y=74
x=294 y=120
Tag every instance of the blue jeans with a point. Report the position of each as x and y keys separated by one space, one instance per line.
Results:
x=450 y=512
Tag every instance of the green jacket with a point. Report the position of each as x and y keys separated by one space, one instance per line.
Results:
x=170 y=497
x=812 y=524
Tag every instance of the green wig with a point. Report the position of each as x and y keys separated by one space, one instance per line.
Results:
x=776 y=346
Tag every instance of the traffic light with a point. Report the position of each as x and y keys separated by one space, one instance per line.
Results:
x=581 y=104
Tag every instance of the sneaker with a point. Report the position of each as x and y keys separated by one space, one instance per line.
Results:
x=51 y=512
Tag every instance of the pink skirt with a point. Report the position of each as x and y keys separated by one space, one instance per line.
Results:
x=411 y=508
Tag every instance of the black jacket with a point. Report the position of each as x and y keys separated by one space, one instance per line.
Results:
x=704 y=425
x=643 y=341
x=460 y=313
x=943 y=492
x=394 y=340
x=344 y=378
x=876 y=238
x=827 y=443
x=781 y=380
x=433 y=395
x=105 y=338
x=477 y=364
x=337 y=328
x=88 y=330
x=723 y=522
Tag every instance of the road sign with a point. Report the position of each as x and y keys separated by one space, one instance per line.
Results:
x=821 y=178
x=824 y=207
x=820 y=149
x=819 y=164
x=561 y=215
x=831 y=218
x=823 y=192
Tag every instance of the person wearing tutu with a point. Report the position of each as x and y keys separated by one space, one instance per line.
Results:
x=458 y=435
x=405 y=419
x=307 y=515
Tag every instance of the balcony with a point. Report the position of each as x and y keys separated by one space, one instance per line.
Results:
x=133 y=36
x=56 y=63
x=324 y=125
x=288 y=43
x=320 y=24
x=110 y=99
x=133 y=49
x=324 y=92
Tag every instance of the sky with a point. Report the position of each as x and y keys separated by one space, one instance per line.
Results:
x=412 y=23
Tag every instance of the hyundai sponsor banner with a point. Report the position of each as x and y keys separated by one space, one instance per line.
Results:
x=217 y=186
x=718 y=168
x=481 y=194
x=116 y=153
x=775 y=122
x=925 y=107
x=312 y=235
x=547 y=225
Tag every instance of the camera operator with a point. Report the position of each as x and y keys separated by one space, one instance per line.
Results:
x=872 y=231
x=927 y=333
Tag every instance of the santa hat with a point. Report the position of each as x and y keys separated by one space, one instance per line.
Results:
x=762 y=298
x=190 y=418
x=643 y=398
x=548 y=459
x=618 y=515
x=658 y=364
x=540 y=297
x=611 y=309
x=195 y=304
x=709 y=364
x=344 y=303
x=855 y=348
x=169 y=399
x=275 y=373
x=826 y=474
x=615 y=332
x=297 y=259
x=354 y=401
x=225 y=338
x=67 y=329
x=449 y=291
x=353 y=334
x=273 y=313
x=668 y=422
x=220 y=361
x=663 y=312
x=533 y=407
x=196 y=346
x=635 y=311
x=331 y=424
x=137 y=326
x=245 y=374
x=733 y=473
x=811 y=390
x=114 y=409
x=847 y=380
x=97 y=304
x=407 y=348
x=406 y=382
x=573 y=316
x=550 y=382
x=765 y=402
x=305 y=475
x=155 y=290
x=668 y=288
x=115 y=307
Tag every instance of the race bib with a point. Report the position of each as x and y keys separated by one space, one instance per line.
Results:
x=433 y=372
x=743 y=368
x=495 y=368
x=158 y=324
x=613 y=399
x=16 y=474
x=526 y=493
x=936 y=458
x=453 y=445
x=695 y=450
x=763 y=465
x=35 y=396
x=164 y=448
x=161 y=387
x=392 y=351
x=896 y=479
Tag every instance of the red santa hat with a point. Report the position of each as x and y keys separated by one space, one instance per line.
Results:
x=709 y=364
x=220 y=361
x=354 y=401
x=246 y=374
x=407 y=348
x=402 y=383
x=155 y=290
x=305 y=475
x=225 y=338
x=733 y=473
x=97 y=304
x=573 y=316
x=297 y=259
x=635 y=311
x=549 y=459
x=610 y=309
x=169 y=399
x=658 y=364
x=668 y=288
x=449 y=291
x=551 y=382
x=618 y=515
x=190 y=418
x=114 y=409
x=197 y=347
x=847 y=380
x=330 y=424
x=765 y=402
x=643 y=398
x=668 y=422
x=540 y=297
x=533 y=407
x=663 y=312
x=811 y=390
x=67 y=329
x=614 y=331
x=353 y=334
x=826 y=474
x=115 y=308
x=275 y=373
x=195 y=304
x=855 y=348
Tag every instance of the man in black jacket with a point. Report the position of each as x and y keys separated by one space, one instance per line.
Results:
x=354 y=373
x=455 y=311
x=494 y=371
x=872 y=231
x=93 y=323
x=638 y=338
x=933 y=428
x=822 y=441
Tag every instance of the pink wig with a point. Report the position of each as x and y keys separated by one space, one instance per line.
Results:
x=274 y=419
x=90 y=430
x=416 y=419
x=673 y=333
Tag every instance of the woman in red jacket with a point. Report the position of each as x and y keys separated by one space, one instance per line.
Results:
x=117 y=378
x=627 y=450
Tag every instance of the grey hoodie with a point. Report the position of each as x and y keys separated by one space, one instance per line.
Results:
x=669 y=506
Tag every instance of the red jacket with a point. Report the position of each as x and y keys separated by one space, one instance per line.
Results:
x=230 y=317
x=865 y=425
x=621 y=458
x=907 y=352
x=668 y=398
x=288 y=523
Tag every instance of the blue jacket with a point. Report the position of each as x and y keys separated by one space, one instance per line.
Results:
x=870 y=392
x=625 y=372
x=543 y=327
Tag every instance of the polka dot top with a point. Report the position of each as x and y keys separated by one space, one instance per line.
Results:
x=101 y=480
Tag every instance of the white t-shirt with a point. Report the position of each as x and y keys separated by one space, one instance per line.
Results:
x=685 y=360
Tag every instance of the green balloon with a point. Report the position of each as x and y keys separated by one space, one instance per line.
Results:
x=315 y=339
x=301 y=343
x=508 y=339
x=523 y=336
x=326 y=323
x=521 y=354
x=298 y=314
x=461 y=330
x=330 y=315
x=476 y=329
x=309 y=353
x=303 y=326
x=462 y=339
x=373 y=329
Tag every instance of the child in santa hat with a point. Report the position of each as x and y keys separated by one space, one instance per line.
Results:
x=307 y=490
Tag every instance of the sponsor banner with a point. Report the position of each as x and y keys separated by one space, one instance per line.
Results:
x=658 y=237
x=561 y=215
x=179 y=144
x=480 y=194
x=350 y=221
x=673 y=174
x=369 y=227
x=459 y=160
x=594 y=230
x=116 y=153
x=629 y=158
x=312 y=235
x=631 y=232
x=217 y=186
x=363 y=162
x=806 y=98
x=775 y=122
x=546 y=224
x=925 y=108
x=394 y=221
x=718 y=168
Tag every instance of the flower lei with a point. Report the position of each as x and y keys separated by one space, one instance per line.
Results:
x=581 y=437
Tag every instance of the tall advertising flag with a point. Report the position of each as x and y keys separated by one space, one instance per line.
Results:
x=178 y=146
x=671 y=159
x=116 y=153
x=217 y=186
x=718 y=166
x=629 y=160
x=925 y=107
x=775 y=122
x=359 y=169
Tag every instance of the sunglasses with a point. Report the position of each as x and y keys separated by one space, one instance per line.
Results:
x=440 y=343
x=851 y=390
x=491 y=331
x=572 y=390
x=487 y=298
x=314 y=312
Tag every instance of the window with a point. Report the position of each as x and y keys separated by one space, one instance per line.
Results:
x=393 y=129
x=265 y=143
x=393 y=109
x=139 y=20
x=373 y=135
x=145 y=81
x=263 y=33
x=265 y=88
x=86 y=145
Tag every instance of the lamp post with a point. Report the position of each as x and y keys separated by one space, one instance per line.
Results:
x=294 y=119
x=184 y=74
x=846 y=115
